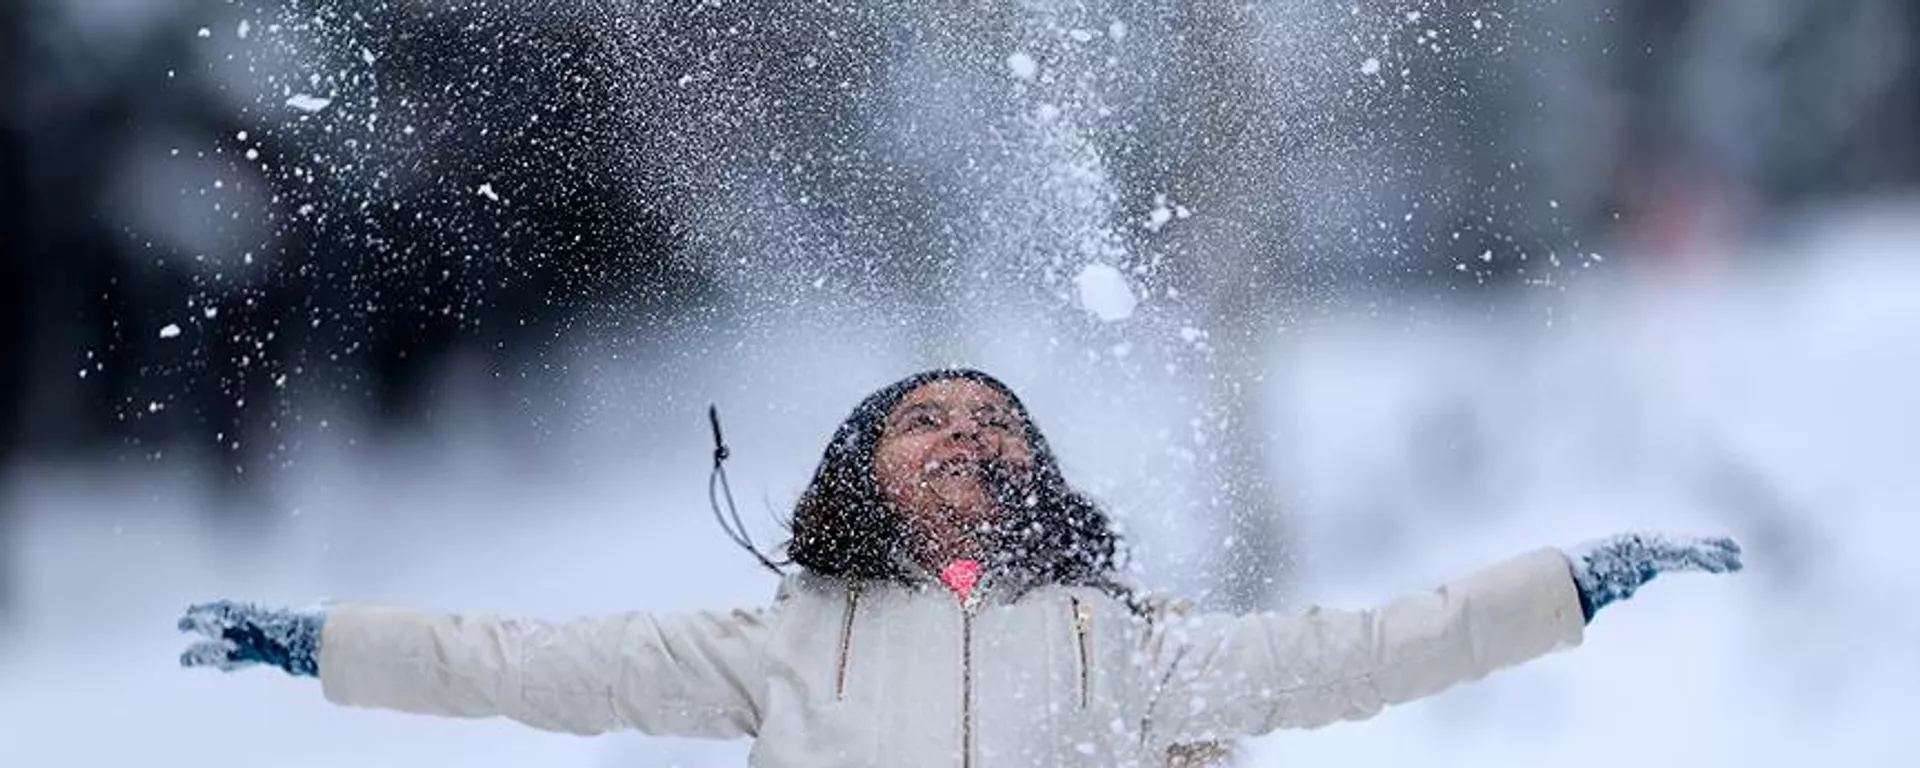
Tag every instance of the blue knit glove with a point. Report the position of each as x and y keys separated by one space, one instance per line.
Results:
x=1610 y=569
x=244 y=634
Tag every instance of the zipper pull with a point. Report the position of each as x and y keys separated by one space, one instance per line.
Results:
x=1083 y=637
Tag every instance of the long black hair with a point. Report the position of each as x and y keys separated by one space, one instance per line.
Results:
x=843 y=526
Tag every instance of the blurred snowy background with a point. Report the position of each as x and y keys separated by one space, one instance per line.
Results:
x=423 y=302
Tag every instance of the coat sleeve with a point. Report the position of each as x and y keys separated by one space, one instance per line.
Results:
x=692 y=675
x=1223 y=676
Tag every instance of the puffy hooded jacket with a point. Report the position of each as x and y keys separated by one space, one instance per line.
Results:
x=908 y=674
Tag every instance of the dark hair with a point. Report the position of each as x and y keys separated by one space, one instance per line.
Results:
x=843 y=526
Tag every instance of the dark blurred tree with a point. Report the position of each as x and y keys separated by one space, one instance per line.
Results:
x=499 y=198
x=1732 y=115
x=403 y=265
x=14 y=289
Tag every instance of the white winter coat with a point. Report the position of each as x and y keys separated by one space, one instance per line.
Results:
x=899 y=675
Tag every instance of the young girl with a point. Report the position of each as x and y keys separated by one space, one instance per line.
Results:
x=957 y=604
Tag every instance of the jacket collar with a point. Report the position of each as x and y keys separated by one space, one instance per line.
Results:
x=998 y=583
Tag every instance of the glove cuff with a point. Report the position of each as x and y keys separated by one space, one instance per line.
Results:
x=303 y=645
x=1581 y=568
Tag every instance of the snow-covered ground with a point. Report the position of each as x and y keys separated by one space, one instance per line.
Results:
x=1776 y=403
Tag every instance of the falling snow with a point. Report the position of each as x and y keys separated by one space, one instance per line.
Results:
x=308 y=103
x=1022 y=66
x=784 y=165
x=1105 y=292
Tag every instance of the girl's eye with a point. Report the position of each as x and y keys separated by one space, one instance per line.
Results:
x=923 y=419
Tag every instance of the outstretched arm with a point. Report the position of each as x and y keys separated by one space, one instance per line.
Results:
x=686 y=675
x=1224 y=676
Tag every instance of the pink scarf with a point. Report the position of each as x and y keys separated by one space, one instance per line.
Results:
x=961 y=576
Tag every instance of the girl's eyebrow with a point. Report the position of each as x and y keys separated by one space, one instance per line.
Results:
x=910 y=409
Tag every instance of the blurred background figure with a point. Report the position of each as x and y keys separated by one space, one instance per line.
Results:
x=424 y=301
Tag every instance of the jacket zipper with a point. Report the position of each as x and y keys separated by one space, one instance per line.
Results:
x=966 y=686
x=1083 y=635
x=846 y=646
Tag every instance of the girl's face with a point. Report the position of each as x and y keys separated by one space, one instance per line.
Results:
x=933 y=449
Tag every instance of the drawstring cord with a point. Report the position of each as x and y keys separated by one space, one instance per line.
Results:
x=717 y=488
